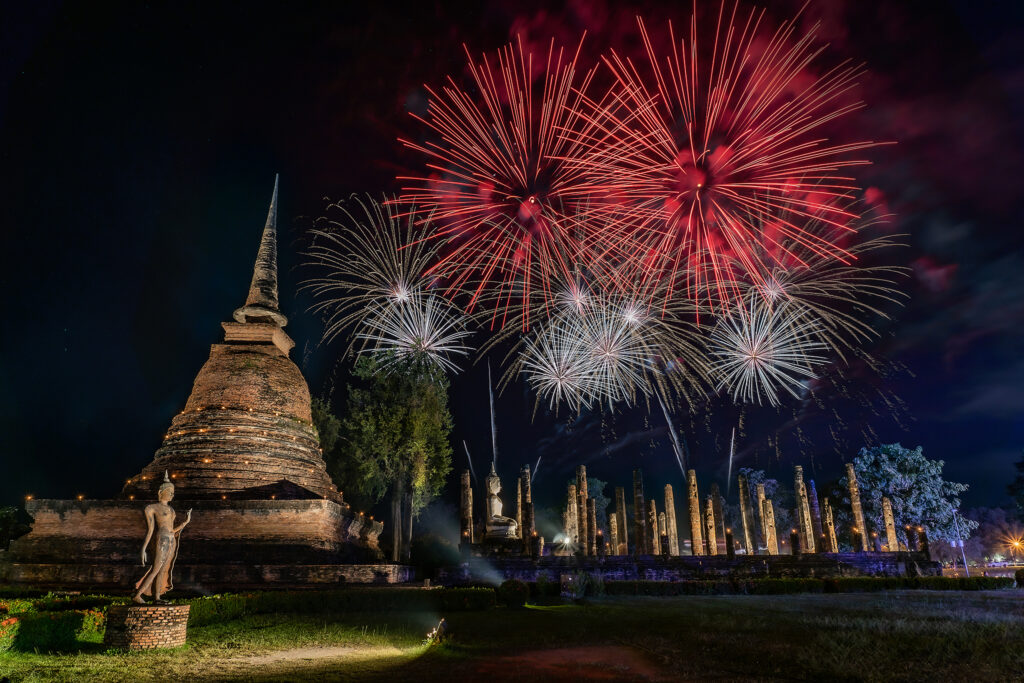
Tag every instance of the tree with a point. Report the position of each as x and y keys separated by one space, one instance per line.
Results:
x=328 y=426
x=394 y=440
x=12 y=525
x=1016 y=488
x=915 y=486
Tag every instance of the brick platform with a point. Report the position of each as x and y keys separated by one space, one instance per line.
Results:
x=146 y=627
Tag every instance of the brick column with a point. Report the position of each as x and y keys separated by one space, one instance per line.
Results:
x=581 y=497
x=523 y=534
x=653 y=538
x=858 y=511
x=812 y=493
x=804 y=527
x=696 y=522
x=746 y=518
x=670 y=522
x=709 y=526
x=466 y=508
x=891 y=542
x=716 y=499
x=591 y=528
x=613 y=534
x=620 y=518
x=528 y=522
x=829 y=524
x=768 y=515
x=572 y=514
x=639 y=525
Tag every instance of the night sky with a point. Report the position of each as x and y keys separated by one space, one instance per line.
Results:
x=139 y=146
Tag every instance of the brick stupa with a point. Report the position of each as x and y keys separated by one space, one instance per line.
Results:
x=245 y=456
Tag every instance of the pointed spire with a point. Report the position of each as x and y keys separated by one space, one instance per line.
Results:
x=261 y=304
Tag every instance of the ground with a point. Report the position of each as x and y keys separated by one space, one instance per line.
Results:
x=898 y=635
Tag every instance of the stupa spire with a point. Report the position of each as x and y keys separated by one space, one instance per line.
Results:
x=261 y=305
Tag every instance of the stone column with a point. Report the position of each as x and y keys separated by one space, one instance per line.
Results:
x=858 y=511
x=696 y=523
x=761 y=498
x=581 y=496
x=730 y=544
x=591 y=528
x=653 y=538
x=768 y=515
x=613 y=533
x=572 y=514
x=466 y=508
x=519 y=511
x=812 y=493
x=892 y=544
x=746 y=516
x=620 y=518
x=670 y=522
x=829 y=524
x=639 y=512
x=529 y=526
x=804 y=527
x=709 y=526
x=662 y=525
x=716 y=497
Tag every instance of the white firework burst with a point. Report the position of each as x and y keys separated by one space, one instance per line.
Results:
x=421 y=330
x=619 y=353
x=558 y=365
x=370 y=255
x=759 y=349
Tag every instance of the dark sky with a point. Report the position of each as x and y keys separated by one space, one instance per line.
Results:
x=139 y=145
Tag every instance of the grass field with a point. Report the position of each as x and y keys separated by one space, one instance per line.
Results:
x=899 y=635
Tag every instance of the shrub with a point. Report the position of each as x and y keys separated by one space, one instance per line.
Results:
x=1019 y=575
x=220 y=608
x=513 y=593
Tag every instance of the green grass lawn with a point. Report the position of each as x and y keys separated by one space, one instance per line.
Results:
x=899 y=635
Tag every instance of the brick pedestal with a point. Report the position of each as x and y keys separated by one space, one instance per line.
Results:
x=146 y=627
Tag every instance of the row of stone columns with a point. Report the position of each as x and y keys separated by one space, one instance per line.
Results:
x=656 y=532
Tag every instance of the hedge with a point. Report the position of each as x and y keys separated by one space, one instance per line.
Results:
x=852 y=584
x=219 y=608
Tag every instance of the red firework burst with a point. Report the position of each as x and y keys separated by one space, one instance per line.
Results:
x=499 y=187
x=707 y=142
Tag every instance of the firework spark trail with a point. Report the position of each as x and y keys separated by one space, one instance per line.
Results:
x=469 y=459
x=834 y=295
x=498 y=185
x=422 y=330
x=557 y=364
x=369 y=258
x=707 y=141
x=759 y=349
